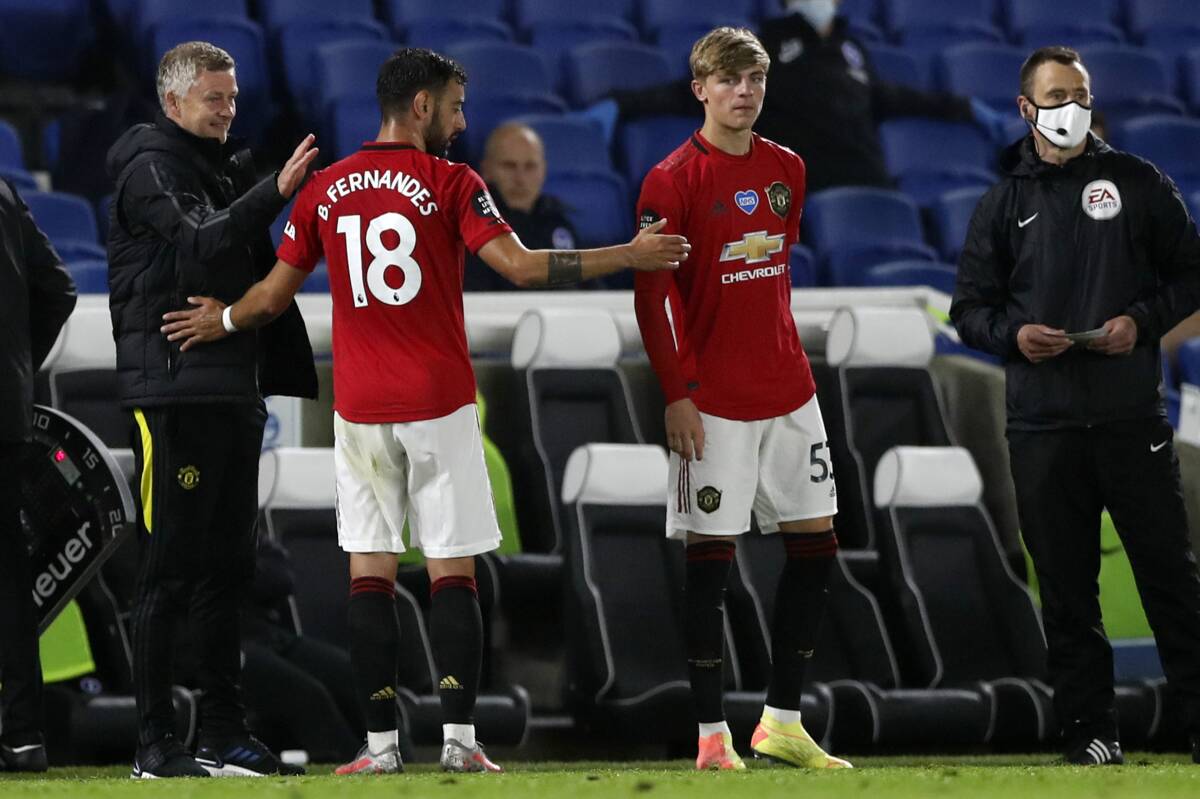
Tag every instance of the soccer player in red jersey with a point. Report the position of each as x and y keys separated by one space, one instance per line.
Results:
x=392 y=220
x=742 y=419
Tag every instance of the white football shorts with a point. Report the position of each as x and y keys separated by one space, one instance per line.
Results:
x=779 y=468
x=431 y=471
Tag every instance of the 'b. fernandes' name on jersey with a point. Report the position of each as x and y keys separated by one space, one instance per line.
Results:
x=376 y=179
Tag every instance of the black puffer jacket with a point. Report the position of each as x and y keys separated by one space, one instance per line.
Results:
x=36 y=297
x=1071 y=247
x=188 y=219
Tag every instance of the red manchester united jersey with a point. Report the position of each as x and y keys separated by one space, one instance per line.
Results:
x=734 y=348
x=391 y=221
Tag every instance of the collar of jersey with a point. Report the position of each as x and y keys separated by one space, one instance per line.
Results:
x=712 y=151
x=387 y=145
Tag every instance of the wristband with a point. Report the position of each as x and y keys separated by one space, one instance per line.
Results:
x=227 y=320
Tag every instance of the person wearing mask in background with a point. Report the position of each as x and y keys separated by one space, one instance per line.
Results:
x=36 y=297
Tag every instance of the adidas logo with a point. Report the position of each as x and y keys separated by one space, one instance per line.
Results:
x=383 y=694
x=450 y=683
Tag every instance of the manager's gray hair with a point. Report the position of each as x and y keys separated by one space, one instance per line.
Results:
x=182 y=64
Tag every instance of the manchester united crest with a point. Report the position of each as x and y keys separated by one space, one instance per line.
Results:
x=780 y=198
x=708 y=499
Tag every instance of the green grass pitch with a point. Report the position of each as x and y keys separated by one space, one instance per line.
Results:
x=997 y=777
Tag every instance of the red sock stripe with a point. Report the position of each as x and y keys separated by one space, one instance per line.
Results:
x=711 y=550
x=811 y=545
x=455 y=581
x=372 y=585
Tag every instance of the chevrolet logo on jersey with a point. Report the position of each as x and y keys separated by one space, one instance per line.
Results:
x=754 y=248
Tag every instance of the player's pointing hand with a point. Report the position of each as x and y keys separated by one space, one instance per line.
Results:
x=653 y=251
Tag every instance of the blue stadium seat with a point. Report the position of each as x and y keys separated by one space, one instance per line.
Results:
x=930 y=157
x=401 y=14
x=595 y=70
x=298 y=41
x=1144 y=17
x=350 y=121
x=896 y=65
x=675 y=42
x=24 y=181
x=938 y=276
x=555 y=38
x=499 y=68
x=1193 y=201
x=1170 y=143
x=645 y=142
x=10 y=147
x=1072 y=35
x=656 y=14
x=1172 y=43
x=1029 y=21
x=571 y=145
x=243 y=40
x=802 y=265
x=63 y=217
x=90 y=275
x=597 y=205
x=280 y=221
x=928 y=26
x=951 y=214
x=1187 y=361
x=986 y=71
x=862 y=16
x=1129 y=81
x=44 y=39
x=277 y=13
x=440 y=35
x=485 y=113
x=318 y=281
x=149 y=13
x=347 y=69
x=854 y=228
x=528 y=13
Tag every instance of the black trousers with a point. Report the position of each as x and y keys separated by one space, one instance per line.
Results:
x=20 y=664
x=197 y=469
x=1064 y=479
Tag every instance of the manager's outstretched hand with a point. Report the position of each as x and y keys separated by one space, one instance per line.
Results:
x=291 y=175
x=653 y=251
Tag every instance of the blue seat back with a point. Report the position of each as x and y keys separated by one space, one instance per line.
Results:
x=595 y=70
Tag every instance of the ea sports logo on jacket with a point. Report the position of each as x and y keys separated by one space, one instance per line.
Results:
x=1101 y=200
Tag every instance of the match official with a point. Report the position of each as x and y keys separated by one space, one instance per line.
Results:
x=1075 y=265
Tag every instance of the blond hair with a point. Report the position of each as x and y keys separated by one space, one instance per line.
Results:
x=728 y=50
x=182 y=64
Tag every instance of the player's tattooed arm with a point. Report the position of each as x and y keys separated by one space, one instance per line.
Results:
x=564 y=266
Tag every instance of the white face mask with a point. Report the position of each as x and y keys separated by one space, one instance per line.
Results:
x=1063 y=125
x=819 y=13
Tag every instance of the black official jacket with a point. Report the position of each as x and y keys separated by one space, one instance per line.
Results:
x=1071 y=247
x=824 y=100
x=36 y=297
x=189 y=219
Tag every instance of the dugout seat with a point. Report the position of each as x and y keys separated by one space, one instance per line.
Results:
x=854 y=658
x=1034 y=22
x=570 y=144
x=876 y=393
x=12 y=162
x=277 y=13
x=528 y=13
x=627 y=664
x=930 y=157
x=968 y=617
x=90 y=275
x=68 y=221
x=43 y=41
x=897 y=65
x=300 y=515
x=82 y=375
x=1170 y=143
x=596 y=70
x=912 y=273
x=1135 y=82
x=657 y=15
x=597 y=203
x=296 y=46
x=951 y=215
x=645 y=142
x=983 y=71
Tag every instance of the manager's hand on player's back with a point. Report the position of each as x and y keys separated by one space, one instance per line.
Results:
x=653 y=251
x=292 y=173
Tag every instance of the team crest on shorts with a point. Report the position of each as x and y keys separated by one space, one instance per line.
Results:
x=780 y=198
x=189 y=477
x=708 y=499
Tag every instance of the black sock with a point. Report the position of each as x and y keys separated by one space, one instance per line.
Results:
x=708 y=564
x=456 y=631
x=375 y=649
x=799 y=608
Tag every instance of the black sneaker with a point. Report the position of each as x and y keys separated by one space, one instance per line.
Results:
x=1095 y=752
x=23 y=757
x=242 y=756
x=165 y=758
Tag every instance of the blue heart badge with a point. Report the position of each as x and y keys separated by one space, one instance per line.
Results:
x=746 y=200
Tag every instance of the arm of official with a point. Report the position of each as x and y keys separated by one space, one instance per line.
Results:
x=169 y=202
x=979 y=308
x=261 y=303
x=52 y=292
x=1175 y=254
x=648 y=251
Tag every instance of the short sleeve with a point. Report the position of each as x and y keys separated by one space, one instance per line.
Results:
x=300 y=245
x=479 y=219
